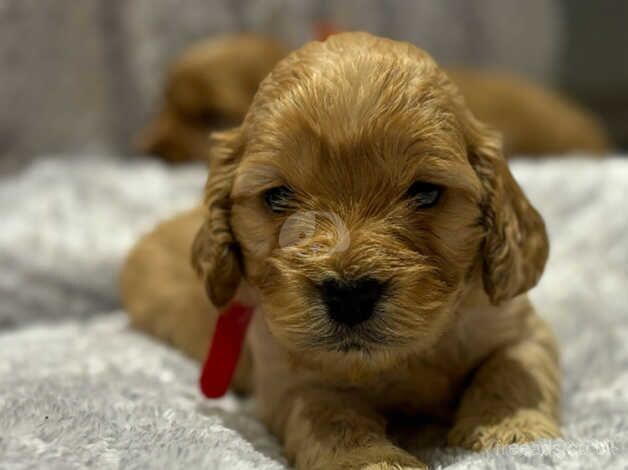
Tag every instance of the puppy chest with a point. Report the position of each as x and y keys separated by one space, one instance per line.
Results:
x=418 y=391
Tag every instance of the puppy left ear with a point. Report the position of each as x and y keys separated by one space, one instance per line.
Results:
x=215 y=253
x=516 y=245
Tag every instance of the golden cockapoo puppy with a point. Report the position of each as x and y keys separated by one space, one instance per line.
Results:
x=212 y=84
x=375 y=224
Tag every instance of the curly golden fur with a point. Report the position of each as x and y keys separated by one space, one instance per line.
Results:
x=349 y=125
x=213 y=83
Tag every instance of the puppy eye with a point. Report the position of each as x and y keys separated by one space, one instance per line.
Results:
x=278 y=198
x=424 y=195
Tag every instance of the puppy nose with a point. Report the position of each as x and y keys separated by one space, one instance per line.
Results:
x=351 y=302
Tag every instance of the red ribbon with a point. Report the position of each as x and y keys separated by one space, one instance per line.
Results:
x=225 y=349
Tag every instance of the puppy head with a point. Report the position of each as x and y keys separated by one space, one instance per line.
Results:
x=196 y=101
x=361 y=199
x=209 y=87
x=173 y=138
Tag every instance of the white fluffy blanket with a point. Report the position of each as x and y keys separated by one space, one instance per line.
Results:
x=79 y=389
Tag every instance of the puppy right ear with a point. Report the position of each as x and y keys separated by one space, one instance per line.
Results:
x=215 y=253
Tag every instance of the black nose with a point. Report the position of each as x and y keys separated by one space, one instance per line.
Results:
x=351 y=302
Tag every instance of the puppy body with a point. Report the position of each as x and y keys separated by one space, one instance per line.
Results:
x=532 y=120
x=163 y=296
x=347 y=128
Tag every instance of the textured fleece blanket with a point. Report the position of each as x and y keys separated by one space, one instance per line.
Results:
x=79 y=389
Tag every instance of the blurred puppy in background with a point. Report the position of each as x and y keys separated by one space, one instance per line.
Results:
x=374 y=222
x=211 y=85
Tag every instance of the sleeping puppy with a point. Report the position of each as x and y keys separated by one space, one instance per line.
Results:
x=212 y=84
x=209 y=87
x=373 y=221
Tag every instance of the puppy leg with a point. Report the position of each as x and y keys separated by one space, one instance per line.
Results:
x=328 y=429
x=163 y=296
x=514 y=396
x=160 y=290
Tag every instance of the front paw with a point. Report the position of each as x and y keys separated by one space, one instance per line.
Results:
x=382 y=458
x=524 y=426
x=393 y=466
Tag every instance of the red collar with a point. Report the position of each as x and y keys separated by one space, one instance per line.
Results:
x=225 y=349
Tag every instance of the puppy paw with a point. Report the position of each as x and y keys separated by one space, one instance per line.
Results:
x=524 y=426
x=383 y=458
x=392 y=466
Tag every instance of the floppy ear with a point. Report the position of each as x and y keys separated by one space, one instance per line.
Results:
x=515 y=247
x=215 y=253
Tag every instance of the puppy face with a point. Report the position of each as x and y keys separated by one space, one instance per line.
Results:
x=357 y=198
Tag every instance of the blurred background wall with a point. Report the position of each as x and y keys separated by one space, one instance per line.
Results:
x=83 y=76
